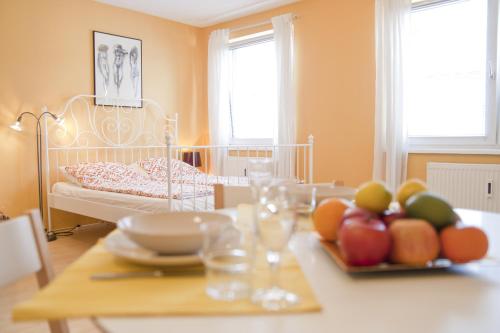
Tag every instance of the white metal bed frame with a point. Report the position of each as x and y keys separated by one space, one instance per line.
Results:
x=95 y=132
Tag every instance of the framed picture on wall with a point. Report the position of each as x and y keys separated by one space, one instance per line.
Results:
x=117 y=70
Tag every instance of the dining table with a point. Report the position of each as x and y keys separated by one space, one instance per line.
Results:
x=462 y=299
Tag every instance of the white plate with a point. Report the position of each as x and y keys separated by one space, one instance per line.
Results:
x=119 y=245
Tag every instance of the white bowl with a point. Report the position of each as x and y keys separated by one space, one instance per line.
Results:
x=169 y=233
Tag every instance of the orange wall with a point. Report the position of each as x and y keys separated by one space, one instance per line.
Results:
x=46 y=57
x=335 y=75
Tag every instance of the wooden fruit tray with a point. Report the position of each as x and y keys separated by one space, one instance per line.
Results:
x=332 y=249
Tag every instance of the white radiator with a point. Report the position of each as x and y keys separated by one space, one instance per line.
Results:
x=473 y=186
x=237 y=165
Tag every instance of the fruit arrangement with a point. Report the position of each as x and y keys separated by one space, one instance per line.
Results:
x=423 y=228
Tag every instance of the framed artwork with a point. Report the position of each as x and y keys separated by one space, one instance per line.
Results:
x=117 y=70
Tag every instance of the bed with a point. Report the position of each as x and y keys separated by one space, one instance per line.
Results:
x=111 y=206
x=109 y=161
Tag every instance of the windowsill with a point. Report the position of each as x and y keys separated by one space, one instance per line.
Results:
x=454 y=151
x=250 y=142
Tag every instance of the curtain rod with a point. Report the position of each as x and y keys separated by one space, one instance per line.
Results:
x=432 y=3
x=258 y=24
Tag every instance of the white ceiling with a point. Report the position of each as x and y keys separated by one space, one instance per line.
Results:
x=200 y=13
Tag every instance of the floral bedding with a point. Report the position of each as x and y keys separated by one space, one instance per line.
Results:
x=157 y=169
x=150 y=181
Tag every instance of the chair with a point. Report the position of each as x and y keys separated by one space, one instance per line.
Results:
x=23 y=251
x=227 y=196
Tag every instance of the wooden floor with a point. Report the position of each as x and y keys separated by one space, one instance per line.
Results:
x=63 y=252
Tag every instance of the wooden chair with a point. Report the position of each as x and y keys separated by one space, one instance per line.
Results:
x=23 y=251
x=228 y=196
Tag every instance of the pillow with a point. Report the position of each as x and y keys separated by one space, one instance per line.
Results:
x=91 y=173
x=157 y=169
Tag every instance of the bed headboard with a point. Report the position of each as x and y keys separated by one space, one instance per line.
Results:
x=87 y=124
x=105 y=132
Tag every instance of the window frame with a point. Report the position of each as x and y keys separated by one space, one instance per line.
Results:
x=236 y=43
x=491 y=141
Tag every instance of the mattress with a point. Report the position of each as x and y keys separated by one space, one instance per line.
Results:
x=147 y=204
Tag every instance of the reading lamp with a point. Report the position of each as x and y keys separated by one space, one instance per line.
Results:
x=51 y=236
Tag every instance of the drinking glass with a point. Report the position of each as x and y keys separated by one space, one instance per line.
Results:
x=303 y=197
x=260 y=174
x=228 y=256
x=276 y=220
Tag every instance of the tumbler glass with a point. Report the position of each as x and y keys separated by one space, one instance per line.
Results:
x=260 y=174
x=228 y=258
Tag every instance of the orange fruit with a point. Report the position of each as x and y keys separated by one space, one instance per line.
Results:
x=327 y=217
x=461 y=244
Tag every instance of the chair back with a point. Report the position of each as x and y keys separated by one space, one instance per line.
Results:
x=228 y=196
x=18 y=250
x=23 y=251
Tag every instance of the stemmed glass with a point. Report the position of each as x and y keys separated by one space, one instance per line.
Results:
x=276 y=220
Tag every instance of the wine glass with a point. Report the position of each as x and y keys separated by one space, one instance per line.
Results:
x=276 y=220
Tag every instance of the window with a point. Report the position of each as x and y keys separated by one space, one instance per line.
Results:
x=253 y=90
x=451 y=73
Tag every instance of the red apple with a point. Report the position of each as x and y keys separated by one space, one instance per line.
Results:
x=364 y=241
x=390 y=216
x=358 y=212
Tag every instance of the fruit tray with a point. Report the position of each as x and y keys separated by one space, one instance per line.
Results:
x=332 y=249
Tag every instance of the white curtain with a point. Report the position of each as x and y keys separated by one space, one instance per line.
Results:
x=391 y=37
x=218 y=97
x=286 y=118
